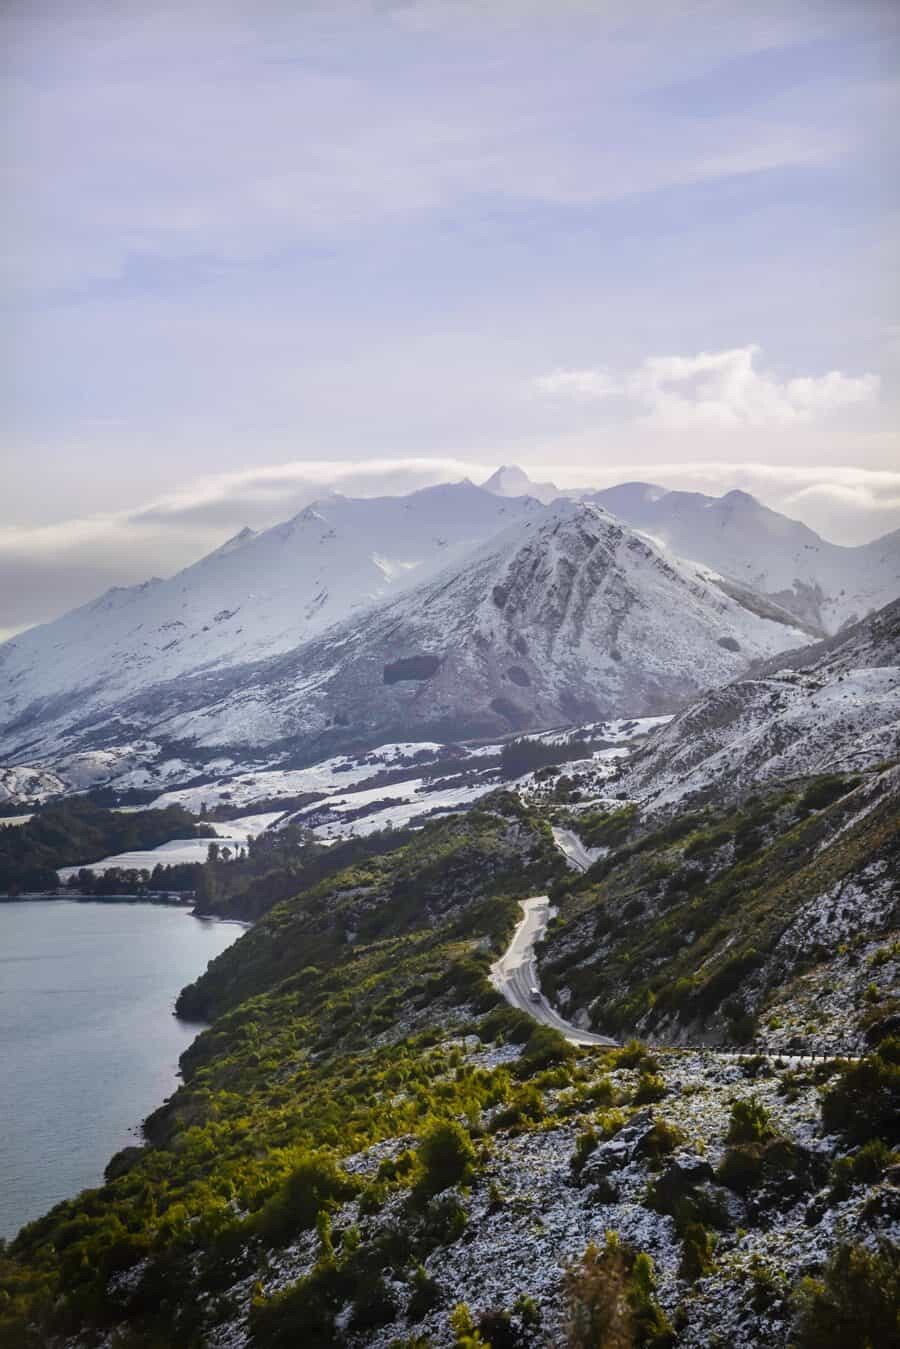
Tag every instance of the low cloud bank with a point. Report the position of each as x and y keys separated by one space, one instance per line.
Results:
x=48 y=569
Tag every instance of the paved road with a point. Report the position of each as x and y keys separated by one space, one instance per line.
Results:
x=515 y=975
x=573 y=850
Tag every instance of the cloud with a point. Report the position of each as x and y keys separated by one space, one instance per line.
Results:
x=239 y=135
x=586 y=384
x=716 y=389
x=48 y=569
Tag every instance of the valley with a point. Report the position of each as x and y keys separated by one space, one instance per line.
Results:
x=568 y=987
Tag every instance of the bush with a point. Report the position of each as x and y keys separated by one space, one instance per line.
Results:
x=316 y=1183
x=651 y=1087
x=446 y=1155
x=545 y=1048
x=824 y=791
x=864 y=1167
x=635 y=1055
x=611 y=1296
x=497 y=1330
x=526 y=1106
x=373 y=1304
x=659 y=1142
x=303 y=1313
x=854 y=1303
x=696 y=1252
x=426 y=1294
x=750 y=1122
x=864 y=1102
x=584 y=1145
x=445 y=1222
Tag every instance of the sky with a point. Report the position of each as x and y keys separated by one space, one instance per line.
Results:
x=258 y=251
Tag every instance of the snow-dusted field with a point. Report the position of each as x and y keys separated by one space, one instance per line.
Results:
x=400 y=812
x=234 y=835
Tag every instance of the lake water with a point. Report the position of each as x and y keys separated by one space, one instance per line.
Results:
x=88 y=1043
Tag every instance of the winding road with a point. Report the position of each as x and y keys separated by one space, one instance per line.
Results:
x=515 y=975
x=573 y=850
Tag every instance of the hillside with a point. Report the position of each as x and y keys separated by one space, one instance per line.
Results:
x=759 y=922
x=830 y=707
x=565 y=617
x=369 y=1149
x=824 y=583
x=257 y=595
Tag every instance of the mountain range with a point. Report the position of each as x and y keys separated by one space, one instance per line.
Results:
x=457 y=611
x=826 y=584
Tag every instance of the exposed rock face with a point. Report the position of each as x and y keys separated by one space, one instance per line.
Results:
x=257 y=596
x=831 y=707
x=822 y=583
x=564 y=618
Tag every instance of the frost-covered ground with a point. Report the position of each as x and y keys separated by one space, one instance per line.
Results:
x=234 y=835
x=835 y=708
x=409 y=801
x=530 y=1217
x=347 y=805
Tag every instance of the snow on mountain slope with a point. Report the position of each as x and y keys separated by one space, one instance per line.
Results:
x=820 y=581
x=257 y=595
x=28 y=783
x=833 y=707
x=567 y=616
x=509 y=481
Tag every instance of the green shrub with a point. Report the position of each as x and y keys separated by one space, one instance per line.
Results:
x=864 y=1167
x=599 y=1093
x=425 y=1295
x=660 y=1141
x=506 y=1024
x=824 y=791
x=741 y=1169
x=526 y=1106
x=611 y=1299
x=373 y=1304
x=528 y=1311
x=445 y=1222
x=696 y=1252
x=635 y=1055
x=651 y=1087
x=546 y=1047
x=854 y=1303
x=316 y=1183
x=584 y=1145
x=750 y=1122
x=864 y=1102
x=302 y=1313
x=446 y=1155
x=465 y=1335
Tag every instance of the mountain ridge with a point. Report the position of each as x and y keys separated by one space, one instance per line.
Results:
x=566 y=616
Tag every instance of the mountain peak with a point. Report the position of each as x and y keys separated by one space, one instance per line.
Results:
x=511 y=481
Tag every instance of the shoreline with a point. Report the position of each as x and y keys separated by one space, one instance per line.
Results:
x=189 y=905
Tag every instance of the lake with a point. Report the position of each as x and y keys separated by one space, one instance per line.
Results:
x=88 y=1043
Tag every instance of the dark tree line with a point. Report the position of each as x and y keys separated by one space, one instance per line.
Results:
x=74 y=831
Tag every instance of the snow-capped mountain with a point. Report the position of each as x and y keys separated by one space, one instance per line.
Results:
x=832 y=707
x=822 y=582
x=566 y=616
x=510 y=481
x=257 y=595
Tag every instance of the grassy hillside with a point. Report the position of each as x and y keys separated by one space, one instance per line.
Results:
x=713 y=924
x=370 y=1149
